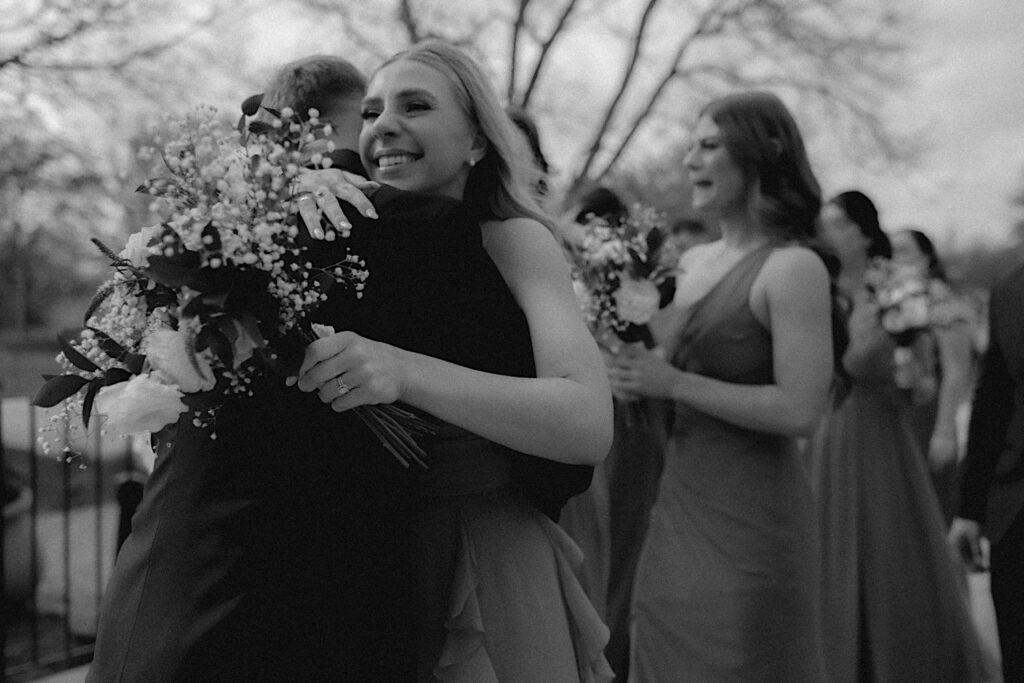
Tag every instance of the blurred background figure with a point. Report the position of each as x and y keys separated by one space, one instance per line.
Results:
x=586 y=517
x=892 y=604
x=947 y=356
x=685 y=233
x=993 y=478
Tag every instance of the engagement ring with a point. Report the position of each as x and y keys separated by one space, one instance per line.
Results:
x=342 y=387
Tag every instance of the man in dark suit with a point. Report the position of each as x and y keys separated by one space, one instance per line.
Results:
x=993 y=482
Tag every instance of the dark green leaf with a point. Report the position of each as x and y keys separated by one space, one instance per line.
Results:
x=211 y=238
x=108 y=345
x=116 y=376
x=134 y=361
x=260 y=127
x=211 y=337
x=173 y=271
x=58 y=388
x=90 y=397
x=76 y=358
x=251 y=104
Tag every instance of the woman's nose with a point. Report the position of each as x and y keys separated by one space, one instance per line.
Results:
x=384 y=124
x=690 y=158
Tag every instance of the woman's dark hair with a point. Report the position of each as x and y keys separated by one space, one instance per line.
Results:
x=927 y=247
x=763 y=139
x=602 y=202
x=861 y=210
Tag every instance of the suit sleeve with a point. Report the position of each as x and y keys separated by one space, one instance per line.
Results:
x=990 y=417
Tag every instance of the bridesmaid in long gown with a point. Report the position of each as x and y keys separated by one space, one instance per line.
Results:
x=496 y=596
x=725 y=586
x=949 y=349
x=893 y=607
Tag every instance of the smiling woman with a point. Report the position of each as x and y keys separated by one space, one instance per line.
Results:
x=413 y=139
x=502 y=357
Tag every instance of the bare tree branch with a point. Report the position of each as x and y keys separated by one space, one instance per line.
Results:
x=517 y=29
x=545 y=48
x=408 y=21
x=107 y=15
x=711 y=22
x=627 y=76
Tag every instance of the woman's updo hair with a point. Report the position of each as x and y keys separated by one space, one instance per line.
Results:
x=927 y=247
x=861 y=210
x=763 y=139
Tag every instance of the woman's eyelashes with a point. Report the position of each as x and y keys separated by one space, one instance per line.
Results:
x=411 y=107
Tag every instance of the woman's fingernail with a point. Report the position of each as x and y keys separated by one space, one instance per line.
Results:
x=372 y=213
x=290 y=381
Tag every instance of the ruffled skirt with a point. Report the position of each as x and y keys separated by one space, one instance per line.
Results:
x=499 y=596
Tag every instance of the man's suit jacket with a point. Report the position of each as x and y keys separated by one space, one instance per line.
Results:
x=993 y=481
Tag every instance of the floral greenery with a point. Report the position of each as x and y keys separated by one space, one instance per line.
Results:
x=910 y=305
x=619 y=276
x=216 y=294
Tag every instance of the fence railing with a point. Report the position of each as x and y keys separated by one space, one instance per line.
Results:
x=64 y=519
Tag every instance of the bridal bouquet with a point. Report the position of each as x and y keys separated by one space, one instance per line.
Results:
x=619 y=277
x=216 y=294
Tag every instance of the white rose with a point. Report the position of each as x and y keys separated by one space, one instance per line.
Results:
x=137 y=249
x=637 y=300
x=140 y=404
x=893 y=321
x=169 y=355
x=916 y=312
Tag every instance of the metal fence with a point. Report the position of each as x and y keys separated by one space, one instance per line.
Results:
x=64 y=519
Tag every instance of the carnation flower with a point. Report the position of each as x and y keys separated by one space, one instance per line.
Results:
x=140 y=404
x=168 y=353
x=637 y=300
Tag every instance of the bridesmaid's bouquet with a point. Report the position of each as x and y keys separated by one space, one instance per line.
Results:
x=910 y=305
x=213 y=296
x=620 y=278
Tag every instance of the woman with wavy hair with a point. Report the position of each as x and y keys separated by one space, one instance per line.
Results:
x=725 y=586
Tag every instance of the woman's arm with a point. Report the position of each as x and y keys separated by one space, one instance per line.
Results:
x=954 y=345
x=563 y=414
x=793 y=296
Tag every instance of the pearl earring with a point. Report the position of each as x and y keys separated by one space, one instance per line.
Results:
x=472 y=162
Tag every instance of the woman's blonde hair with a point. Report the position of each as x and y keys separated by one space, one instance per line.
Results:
x=499 y=185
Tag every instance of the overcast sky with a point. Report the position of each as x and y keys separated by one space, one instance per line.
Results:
x=969 y=97
x=966 y=104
